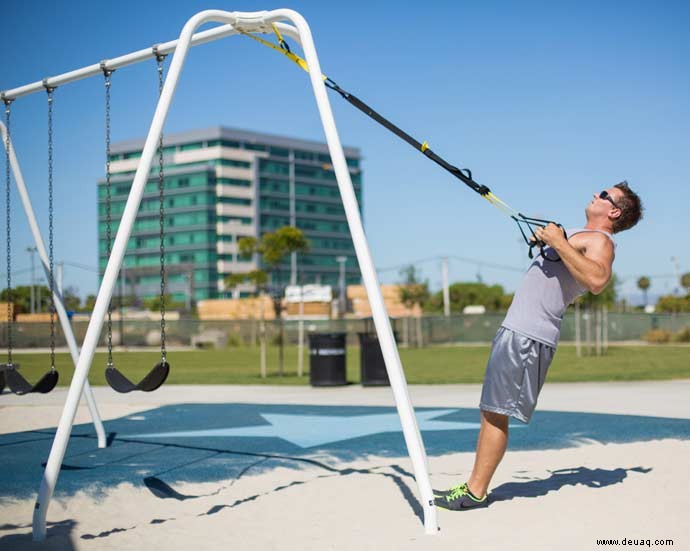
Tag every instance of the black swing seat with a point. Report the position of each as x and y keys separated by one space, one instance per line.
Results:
x=2 y=381
x=19 y=385
x=155 y=378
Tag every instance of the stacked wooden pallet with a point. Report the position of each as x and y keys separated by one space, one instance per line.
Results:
x=310 y=309
x=3 y=311
x=233 y=309
x=43 y=317
x=391 y=298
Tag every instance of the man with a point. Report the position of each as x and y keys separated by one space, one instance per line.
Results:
x=526 y=341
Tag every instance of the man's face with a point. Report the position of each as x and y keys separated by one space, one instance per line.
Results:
x=605 y=203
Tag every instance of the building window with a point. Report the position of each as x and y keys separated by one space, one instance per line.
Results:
x=191 y=146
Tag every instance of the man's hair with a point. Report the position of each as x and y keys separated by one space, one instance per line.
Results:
x=630 y=206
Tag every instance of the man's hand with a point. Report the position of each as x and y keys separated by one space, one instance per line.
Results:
x=551 y=235
x=589 y=261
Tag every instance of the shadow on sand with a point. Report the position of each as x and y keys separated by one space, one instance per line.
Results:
x=591 y=478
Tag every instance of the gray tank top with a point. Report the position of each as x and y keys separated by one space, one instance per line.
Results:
x=545 y=292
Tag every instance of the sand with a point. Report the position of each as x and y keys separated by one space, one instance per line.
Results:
x=549 y=499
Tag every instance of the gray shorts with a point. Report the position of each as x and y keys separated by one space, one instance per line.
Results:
x=515 y=373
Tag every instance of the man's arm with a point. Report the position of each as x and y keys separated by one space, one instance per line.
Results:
x=591 y=268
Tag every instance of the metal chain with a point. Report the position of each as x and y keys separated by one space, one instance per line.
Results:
x=161 y=210
x=108 y=218
x=50 y=91
x=8 y=230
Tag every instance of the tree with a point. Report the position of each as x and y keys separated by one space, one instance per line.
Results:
x=643 y=284
x=606 y=298
x=685 y=282
x=492 y=297
x=258 y=278
x=671 y=304
x=271 y=248
x=71 y=300
x=154 y=303
x=21 y=297
x=90 y=302
x=413 y=292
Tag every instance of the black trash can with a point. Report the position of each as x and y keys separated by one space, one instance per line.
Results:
x=327 y=359
x=372 y=367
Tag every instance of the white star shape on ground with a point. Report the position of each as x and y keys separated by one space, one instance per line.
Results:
x=307 y=431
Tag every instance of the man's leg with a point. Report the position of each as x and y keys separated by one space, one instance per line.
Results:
x=491 y=445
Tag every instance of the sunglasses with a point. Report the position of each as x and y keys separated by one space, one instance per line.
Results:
x=605 y=195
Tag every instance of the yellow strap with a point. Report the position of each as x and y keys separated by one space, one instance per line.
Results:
x=277 y=32
x=495 y=201
x=498 y=201
x=293 y=57
x=425 y=146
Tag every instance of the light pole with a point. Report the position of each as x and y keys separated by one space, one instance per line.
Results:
x=123 y=289
x=31 y=251
x=446 y=293
x=676 y=266
x=293 y=217
x=341 y=300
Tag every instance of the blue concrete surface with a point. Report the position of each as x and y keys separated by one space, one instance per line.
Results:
x=214 y=442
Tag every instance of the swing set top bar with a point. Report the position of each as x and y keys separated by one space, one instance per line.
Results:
x=245 y=22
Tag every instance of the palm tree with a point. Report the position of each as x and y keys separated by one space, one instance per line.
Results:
x=414 y=292
x=272 y=248
x=643 y=284
x=685 y=282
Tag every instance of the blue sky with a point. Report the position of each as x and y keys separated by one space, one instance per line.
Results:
x=546 y=102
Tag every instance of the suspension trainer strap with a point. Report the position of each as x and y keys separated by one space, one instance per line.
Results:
x=107 y=73
x=284 y=49
x=464 y=175
x=8 y=231
x=51 y=270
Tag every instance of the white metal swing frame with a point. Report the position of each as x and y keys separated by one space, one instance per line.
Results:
x=292 y=24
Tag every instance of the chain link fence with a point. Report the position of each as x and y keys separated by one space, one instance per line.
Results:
x=425 y=331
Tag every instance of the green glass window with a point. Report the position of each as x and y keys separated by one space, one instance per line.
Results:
x=275 y=204
x=191 y=146
x=224 y=143
x=320 y=208
x=316 y=190
x=234 y=201
x=269 y=222
x=274 y=185
x=274 y=167
x=322 y=226
x=241 y=219
x=234 y=182
x=316 y=173
x=278 y=152
x=305 y=155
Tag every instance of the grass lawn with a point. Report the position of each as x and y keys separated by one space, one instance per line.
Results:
x=436 y=365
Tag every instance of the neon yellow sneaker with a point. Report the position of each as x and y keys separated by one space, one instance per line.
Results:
x=459 y=498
